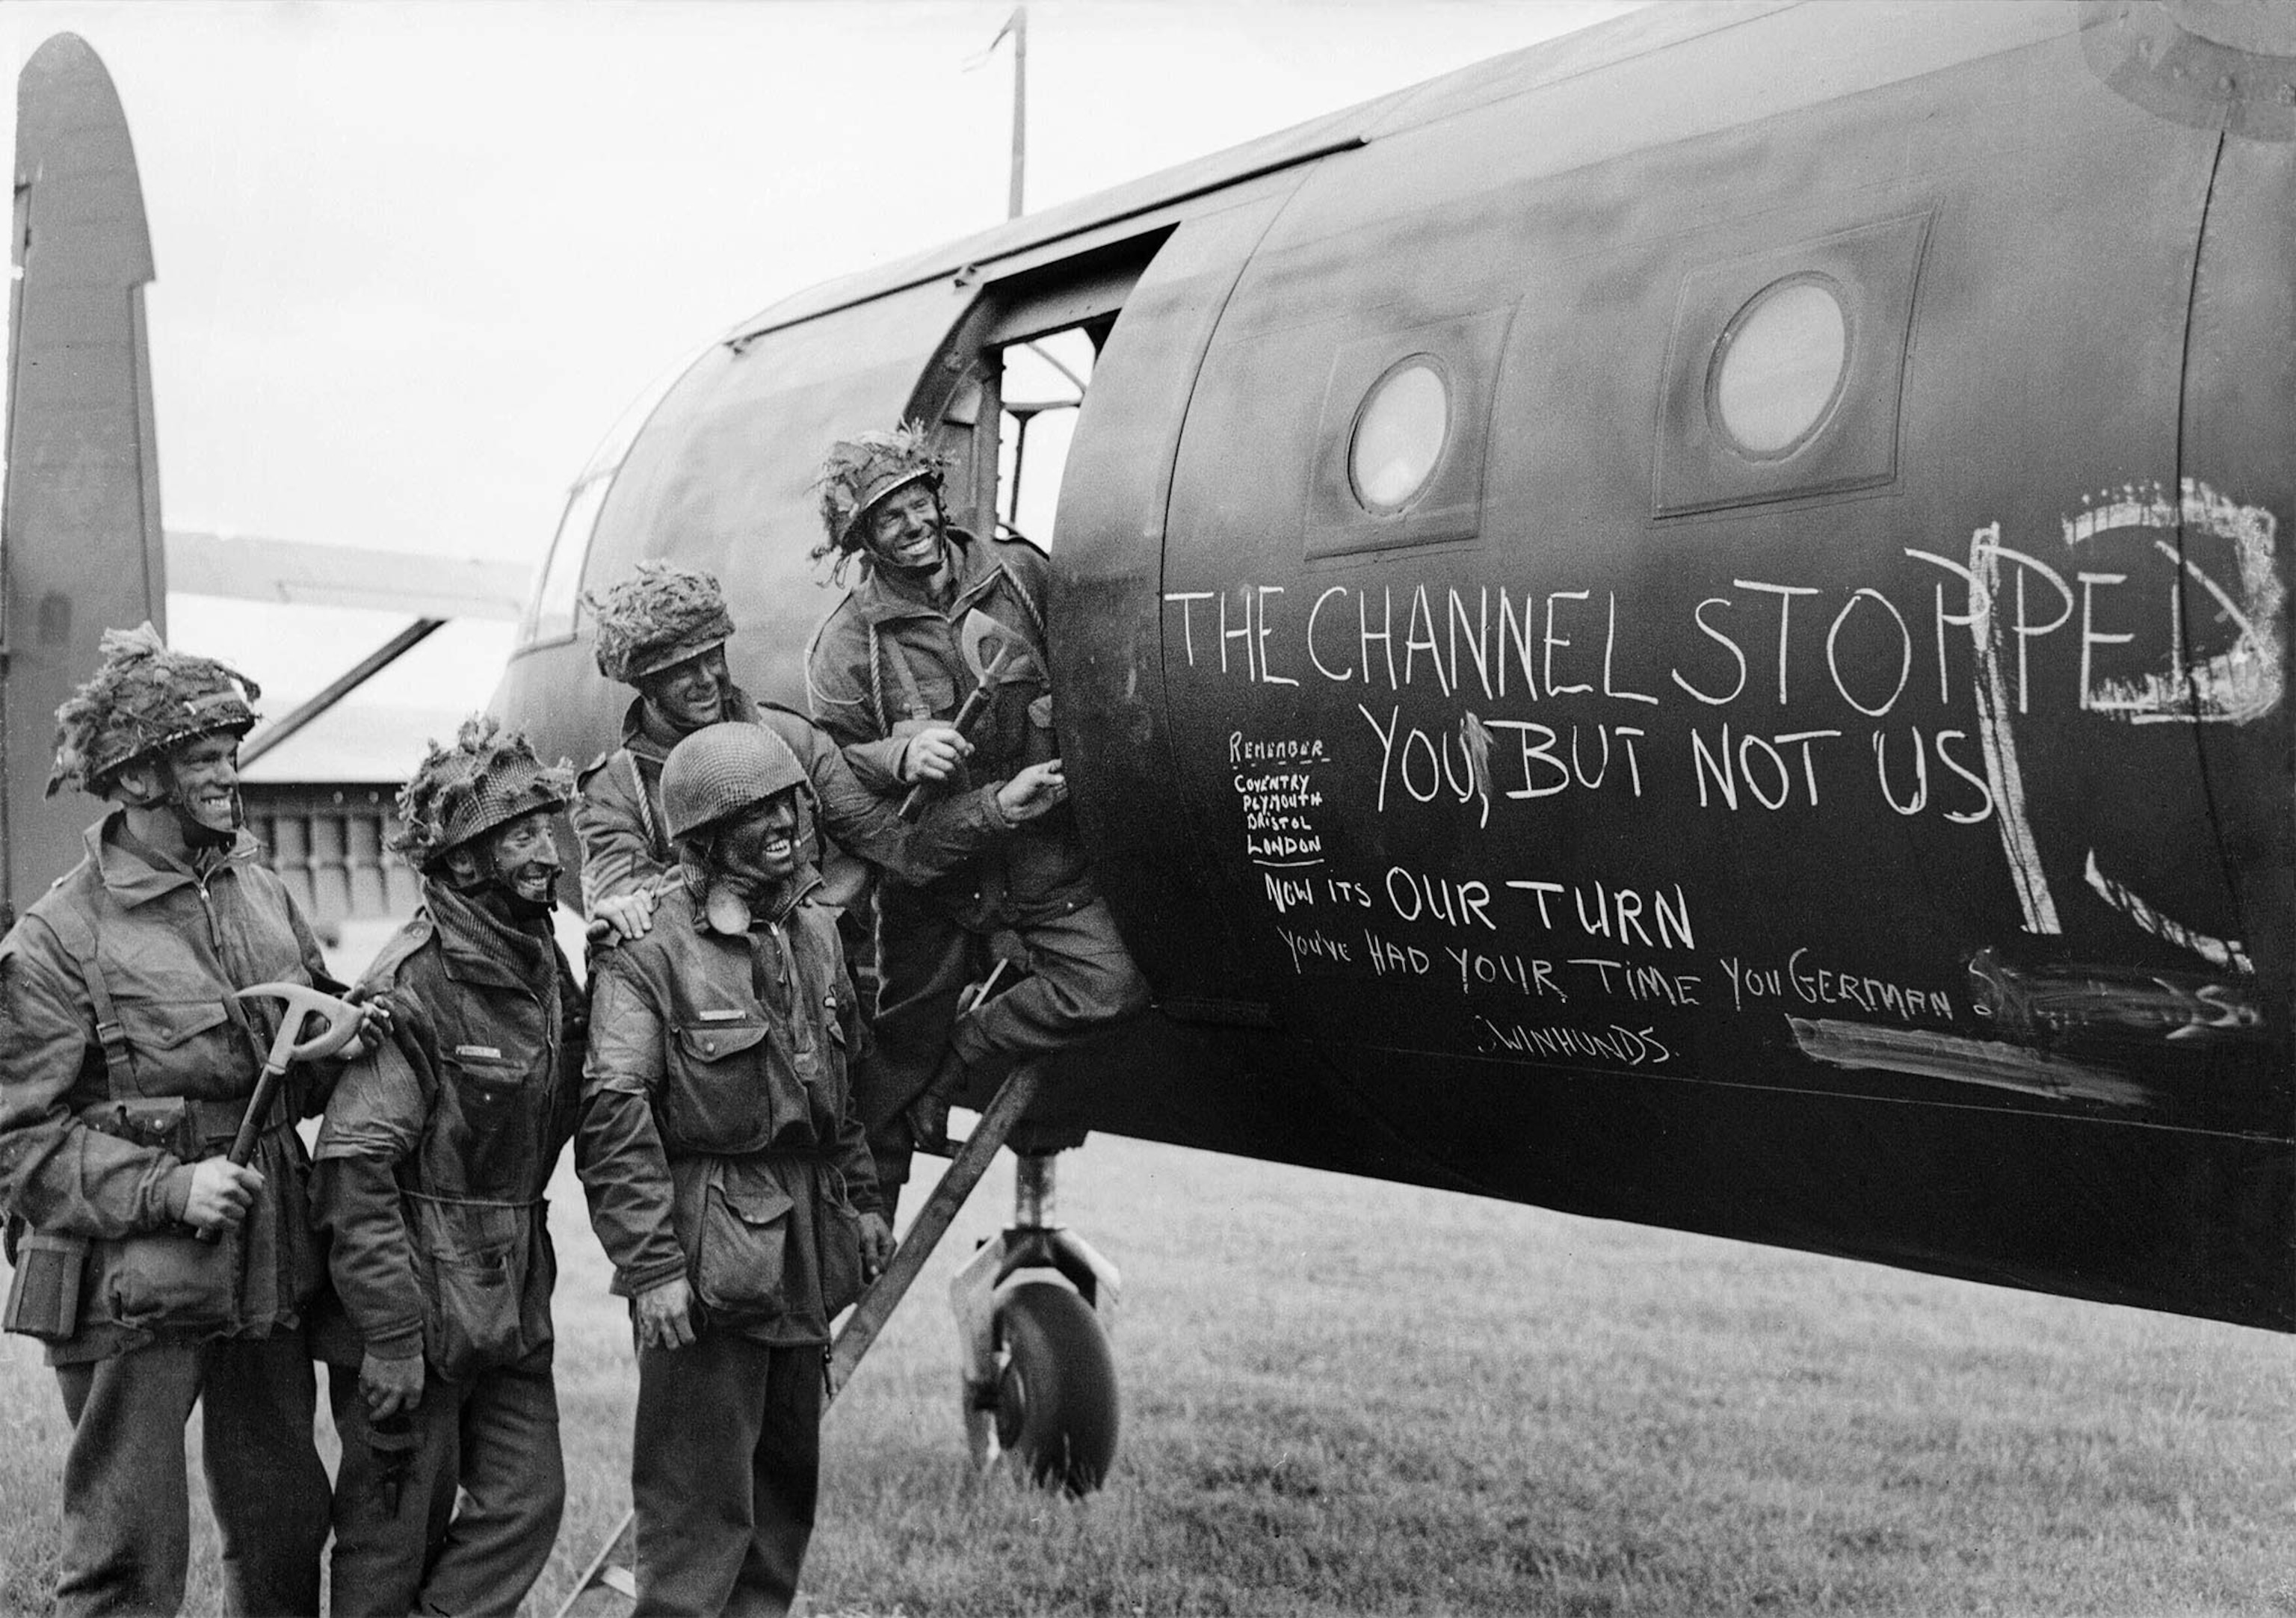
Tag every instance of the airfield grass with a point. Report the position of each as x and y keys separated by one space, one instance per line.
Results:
x=1345 y=1397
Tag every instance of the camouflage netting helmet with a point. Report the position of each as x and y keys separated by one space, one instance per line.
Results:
x=722 y=769
x=489 y=777
x=859 y=472
x=143 y=700
x=660 y=615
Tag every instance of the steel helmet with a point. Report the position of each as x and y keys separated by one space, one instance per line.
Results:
x=859 y=472
x=721 y=770
x=488 y=778
x=660 y=615
x=143 y=700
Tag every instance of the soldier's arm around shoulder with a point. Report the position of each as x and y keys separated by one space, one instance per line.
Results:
x=56 y=1173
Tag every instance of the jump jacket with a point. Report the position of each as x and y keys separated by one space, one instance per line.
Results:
x=718 y=1134
x=438 y=1146
x=626 y=843
x=887 y=662
x=104 y=1111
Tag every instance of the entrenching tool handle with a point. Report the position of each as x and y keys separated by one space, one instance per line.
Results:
x=258 y=1107
x=967 y=717
x=250 y=1125
x=301 y=1000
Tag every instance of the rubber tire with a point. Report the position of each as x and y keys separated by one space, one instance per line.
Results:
x=1056 y=1401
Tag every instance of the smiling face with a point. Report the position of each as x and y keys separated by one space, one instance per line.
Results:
x=524 y=855
x=905 y=532
x=757 y=847
x=685 y=696
x=203 y=776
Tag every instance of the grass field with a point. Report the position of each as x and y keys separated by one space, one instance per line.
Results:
x=1348 y=1397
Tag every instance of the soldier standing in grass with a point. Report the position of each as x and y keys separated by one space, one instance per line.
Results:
x=886 y=674
x=126 y=1068
x=433 y=1164
x=728 y=1178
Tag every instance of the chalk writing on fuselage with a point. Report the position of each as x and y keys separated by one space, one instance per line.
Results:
x=1485 y=653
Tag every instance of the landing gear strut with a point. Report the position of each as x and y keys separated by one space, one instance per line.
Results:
x=1033 y=1308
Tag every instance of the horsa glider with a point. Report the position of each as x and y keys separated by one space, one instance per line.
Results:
x=1686 y=625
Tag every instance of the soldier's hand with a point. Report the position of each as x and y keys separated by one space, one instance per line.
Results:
x=1035 y=789
x=391 y=1387
x=222 y=1192
x=621 y=918
x=876 y=1246
x=933 y=753
x=374 y=1019
x=662 y=1316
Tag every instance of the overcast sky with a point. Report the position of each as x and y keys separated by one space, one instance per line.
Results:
x=415 y=259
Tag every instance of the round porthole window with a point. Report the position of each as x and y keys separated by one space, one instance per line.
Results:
x=1399 y=433
x=1779 y=367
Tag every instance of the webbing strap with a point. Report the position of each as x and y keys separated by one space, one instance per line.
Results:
x=79 y=940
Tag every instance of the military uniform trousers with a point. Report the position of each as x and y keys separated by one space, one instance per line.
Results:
x=725 y=1473
x=1080 y=978
x=126 y=1500
x=493 y=1436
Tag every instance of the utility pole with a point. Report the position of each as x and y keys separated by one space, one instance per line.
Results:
x=1017 y=25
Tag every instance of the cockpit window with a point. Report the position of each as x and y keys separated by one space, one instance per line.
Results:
x=1400 y=435
x=1779 y=367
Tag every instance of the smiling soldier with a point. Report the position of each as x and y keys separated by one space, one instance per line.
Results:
x=433 y=1164
x=728 y=1179
x=887 y=673
x=663 y=630
x=126 y=1069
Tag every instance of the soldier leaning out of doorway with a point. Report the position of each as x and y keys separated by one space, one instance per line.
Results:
x=888 y=670
x=437 y=1150
x=158 y=1273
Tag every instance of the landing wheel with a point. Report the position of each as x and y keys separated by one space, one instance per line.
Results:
x=1056 y=1415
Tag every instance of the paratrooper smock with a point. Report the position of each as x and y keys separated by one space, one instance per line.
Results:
x=103 y=1112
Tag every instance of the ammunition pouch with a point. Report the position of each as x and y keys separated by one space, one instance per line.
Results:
x=44 y=1293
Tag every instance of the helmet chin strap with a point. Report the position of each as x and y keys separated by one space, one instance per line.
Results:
x=197 y=833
